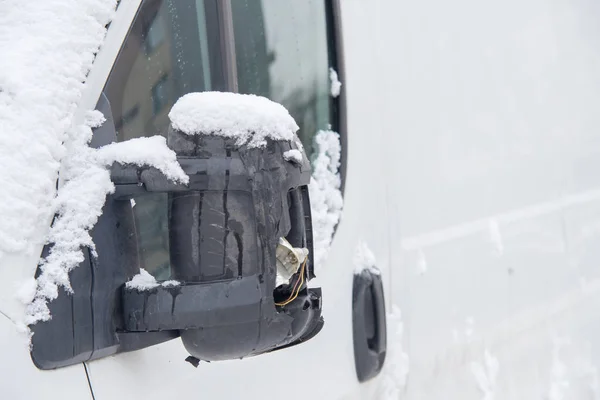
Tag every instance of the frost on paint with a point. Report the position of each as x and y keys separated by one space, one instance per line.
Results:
x=249 y=118
x=86 y=181
x=364 y=260
x=325 y=192
x=145 y=281
x=336 y=85
x=47 y=48
x=486 y=374
x=558 y=372
x=395 y=371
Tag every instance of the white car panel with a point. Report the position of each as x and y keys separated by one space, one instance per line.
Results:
x=22 y=380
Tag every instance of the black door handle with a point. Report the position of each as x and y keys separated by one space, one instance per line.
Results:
x=369 y=325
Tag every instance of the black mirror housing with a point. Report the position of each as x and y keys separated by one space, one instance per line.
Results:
x=224 y=227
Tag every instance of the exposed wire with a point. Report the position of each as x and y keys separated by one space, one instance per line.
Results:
x=297 y=287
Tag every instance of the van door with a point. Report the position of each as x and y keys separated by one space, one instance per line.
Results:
x=284 y=51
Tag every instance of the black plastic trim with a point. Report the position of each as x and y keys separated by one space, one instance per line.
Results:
x=369 y=325
x=228 y=45
x=336 y=57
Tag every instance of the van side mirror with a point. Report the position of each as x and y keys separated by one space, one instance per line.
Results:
x=224 y=228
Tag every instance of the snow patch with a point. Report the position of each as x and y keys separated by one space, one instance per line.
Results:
x=152 y=151
x=396 y=367
x=24 y=330
x=171 y=283
x=249 y=118
x=94 y=119
x=485 y=374
x=48 y=47
x=86 y=182
x=325 y=193
x=293 y=155
x=298 y=143
x=364 y=260
x=336 y=85
x=27 y=290
x=144 y=281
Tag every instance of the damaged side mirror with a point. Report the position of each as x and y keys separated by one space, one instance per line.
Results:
x=240 y=244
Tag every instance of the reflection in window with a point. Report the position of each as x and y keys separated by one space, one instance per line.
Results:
x=282 y=54
x=185 y=57
x=128 y=117
x=151 y=227
x=160 y=95
x=172 y=49
x=156 y=33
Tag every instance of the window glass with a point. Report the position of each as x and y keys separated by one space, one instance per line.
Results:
x=282 y=53
x=160 y=95
x=173 y=48
x=155 y=36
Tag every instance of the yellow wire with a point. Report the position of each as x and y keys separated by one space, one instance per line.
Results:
x=297 y=287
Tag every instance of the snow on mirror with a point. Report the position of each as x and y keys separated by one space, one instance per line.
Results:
x=246 y=118
x=325 y=192
x=251 y=119
x=85 y=184
x=239 y=231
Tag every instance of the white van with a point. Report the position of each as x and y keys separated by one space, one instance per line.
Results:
x=468 y=157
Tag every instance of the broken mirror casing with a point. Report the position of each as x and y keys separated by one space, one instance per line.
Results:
x=224 y=227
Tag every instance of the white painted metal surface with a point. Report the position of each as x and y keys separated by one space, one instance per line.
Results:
x=491 y=110
x=20 y=379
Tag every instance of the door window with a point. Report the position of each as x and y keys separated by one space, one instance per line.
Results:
x=172 y=49
x=282 y=53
